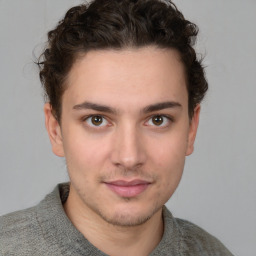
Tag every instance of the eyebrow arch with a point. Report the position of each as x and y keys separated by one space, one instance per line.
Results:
x=161 y=105
x=94 y=106
x=147 y=109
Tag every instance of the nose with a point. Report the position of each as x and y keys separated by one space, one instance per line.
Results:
x=129 y=151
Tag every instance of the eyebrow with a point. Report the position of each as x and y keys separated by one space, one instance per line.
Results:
x=96 y=107
x=147 y=109
x=161 y=106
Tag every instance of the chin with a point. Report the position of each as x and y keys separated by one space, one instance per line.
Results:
x=126 y=220
x=129 y=217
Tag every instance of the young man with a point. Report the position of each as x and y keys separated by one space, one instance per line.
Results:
x=124 y=88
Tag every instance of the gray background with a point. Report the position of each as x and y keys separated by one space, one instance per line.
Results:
x=218 y=189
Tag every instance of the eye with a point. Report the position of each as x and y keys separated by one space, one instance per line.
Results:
x=97 y=120
x=159 y=120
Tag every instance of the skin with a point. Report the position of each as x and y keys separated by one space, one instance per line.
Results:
x=127 y=140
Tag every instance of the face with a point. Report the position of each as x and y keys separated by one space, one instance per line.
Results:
x=125 y=132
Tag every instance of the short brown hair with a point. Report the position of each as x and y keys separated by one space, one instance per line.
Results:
x=117 y=24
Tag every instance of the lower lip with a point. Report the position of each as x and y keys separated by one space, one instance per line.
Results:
x=128 y=191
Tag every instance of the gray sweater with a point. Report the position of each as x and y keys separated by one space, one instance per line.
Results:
x=46 y=230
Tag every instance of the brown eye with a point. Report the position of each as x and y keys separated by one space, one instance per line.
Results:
x=96 y=120
x=160 y=121
x=157 y=120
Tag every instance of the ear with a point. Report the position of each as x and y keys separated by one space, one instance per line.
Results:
x=54 y=131
x=192 y=130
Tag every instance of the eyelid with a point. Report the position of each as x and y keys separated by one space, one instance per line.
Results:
x=168 y=117
x=85 y=118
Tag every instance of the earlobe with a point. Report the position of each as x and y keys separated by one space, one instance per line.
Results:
x=54 y=131
x=193 y=130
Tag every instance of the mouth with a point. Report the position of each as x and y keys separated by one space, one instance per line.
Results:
x=128 y=189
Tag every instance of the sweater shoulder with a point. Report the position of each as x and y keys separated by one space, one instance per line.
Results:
x=19 y=232
x=197 y=241
x=17 y=221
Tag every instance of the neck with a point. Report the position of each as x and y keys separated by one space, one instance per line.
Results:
x=111 y=239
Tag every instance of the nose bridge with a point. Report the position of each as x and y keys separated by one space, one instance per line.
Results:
x=128 y=150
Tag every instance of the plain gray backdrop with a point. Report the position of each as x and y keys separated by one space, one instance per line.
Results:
x=218 y=188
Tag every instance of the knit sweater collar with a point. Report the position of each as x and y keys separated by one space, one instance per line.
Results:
x=58 y=229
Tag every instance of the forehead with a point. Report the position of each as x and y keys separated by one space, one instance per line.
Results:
x=129 y=76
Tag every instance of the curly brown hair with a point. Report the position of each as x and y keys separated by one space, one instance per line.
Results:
x=118 y=24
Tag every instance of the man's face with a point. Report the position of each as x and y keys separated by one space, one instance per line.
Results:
x=125 y=132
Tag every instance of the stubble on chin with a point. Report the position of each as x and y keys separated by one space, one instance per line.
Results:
x=126 y=219
x=121 y=218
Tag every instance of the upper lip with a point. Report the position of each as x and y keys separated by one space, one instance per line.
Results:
x=128 y=183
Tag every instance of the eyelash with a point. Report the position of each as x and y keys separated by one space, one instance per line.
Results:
x=169 y=119
x=85 y=119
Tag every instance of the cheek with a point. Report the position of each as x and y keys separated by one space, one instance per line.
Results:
x=171 y=168
x=84 y=152
x=169 y=160
x=170 y=150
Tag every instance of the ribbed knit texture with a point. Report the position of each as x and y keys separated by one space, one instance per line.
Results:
x=46 y=230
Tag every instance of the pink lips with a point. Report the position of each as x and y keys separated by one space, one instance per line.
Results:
x=128 y=188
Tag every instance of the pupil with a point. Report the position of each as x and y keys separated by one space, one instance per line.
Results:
x=158 y=120
x=97 y=120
